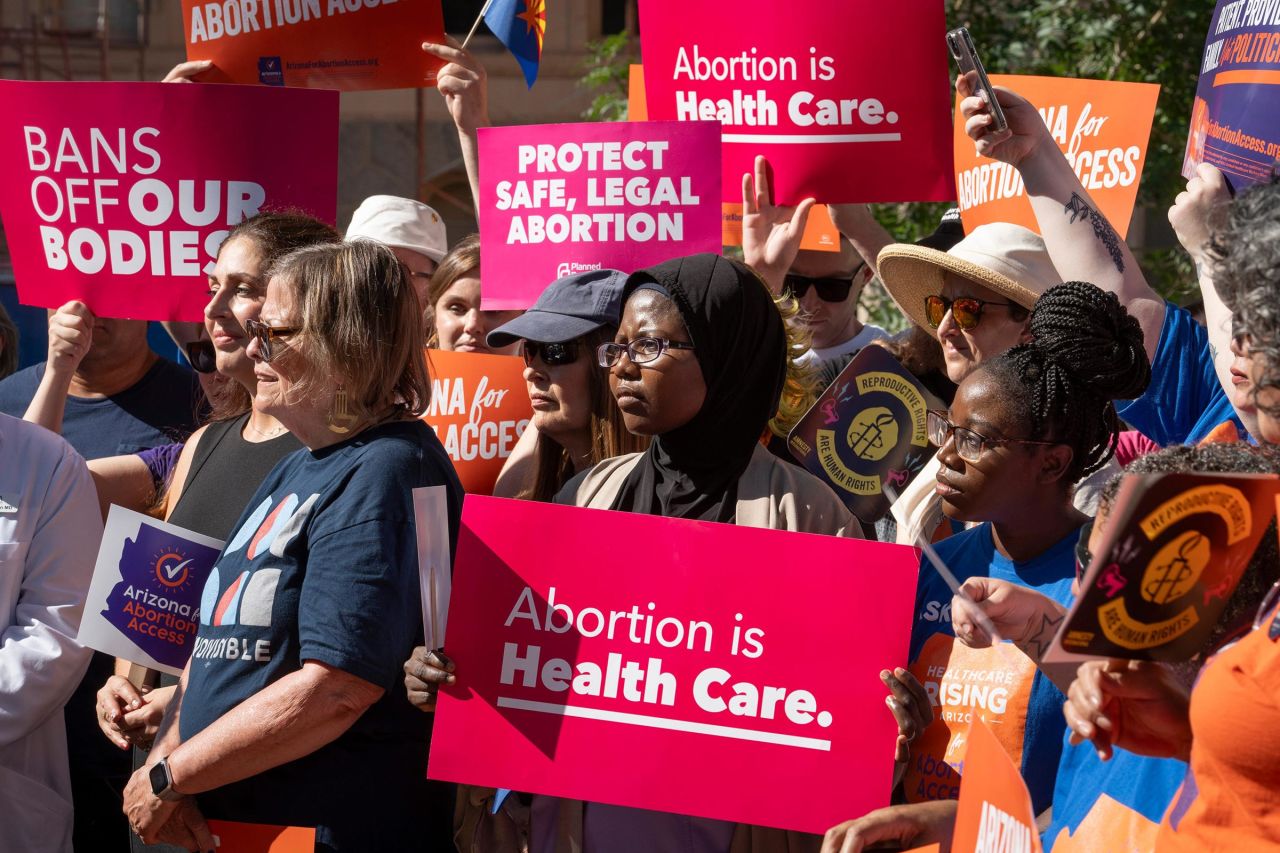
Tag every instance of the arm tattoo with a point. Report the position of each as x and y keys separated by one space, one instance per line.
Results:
x=1040 y=640
x=1080 y=209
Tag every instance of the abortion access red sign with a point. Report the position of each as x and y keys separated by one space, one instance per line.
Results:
x=119 y=194
x=850 y=101
x=705 y=676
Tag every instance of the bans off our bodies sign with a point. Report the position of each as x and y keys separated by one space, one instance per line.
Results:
x=611 y=676
x=119 y=195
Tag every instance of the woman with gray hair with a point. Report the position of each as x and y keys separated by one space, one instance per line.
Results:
x=292 y=709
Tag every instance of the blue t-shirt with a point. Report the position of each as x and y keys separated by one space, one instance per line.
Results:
x=1110 y=805
x=323 y=566
x=1000 y=684
x=1185 y=400
x=162 y=407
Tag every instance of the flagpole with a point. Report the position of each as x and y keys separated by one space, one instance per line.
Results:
x=476 y=25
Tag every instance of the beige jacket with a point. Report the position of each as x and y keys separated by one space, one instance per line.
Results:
x=771 y=494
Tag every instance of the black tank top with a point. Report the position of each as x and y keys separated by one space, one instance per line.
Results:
x=225 y=472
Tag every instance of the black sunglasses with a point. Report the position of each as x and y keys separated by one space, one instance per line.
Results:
x=829 y=289
x=201 y=356
x=552 y=355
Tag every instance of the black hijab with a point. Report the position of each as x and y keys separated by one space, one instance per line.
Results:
x=740 y=343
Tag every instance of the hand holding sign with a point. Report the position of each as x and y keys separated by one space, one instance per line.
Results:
x=1133 y=705
x=771 y=235
x=70 y=336
x=1198 y=208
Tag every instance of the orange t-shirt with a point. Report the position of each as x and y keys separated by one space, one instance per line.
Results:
x=1230 y=799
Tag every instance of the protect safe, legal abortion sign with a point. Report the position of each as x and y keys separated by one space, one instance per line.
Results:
x=849 y=101
x=119 y=194
x=674 y=665
x=559 y=199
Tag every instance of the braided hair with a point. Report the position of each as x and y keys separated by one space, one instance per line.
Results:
x=1086 y=351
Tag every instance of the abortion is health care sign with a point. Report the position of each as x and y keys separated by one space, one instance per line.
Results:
x=119 y=194
x=558 y=199
x=704 y=675
x=144 y=599
x=850 y=101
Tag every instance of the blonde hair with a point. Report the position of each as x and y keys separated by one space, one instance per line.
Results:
x=462 y=259
x=358 y=318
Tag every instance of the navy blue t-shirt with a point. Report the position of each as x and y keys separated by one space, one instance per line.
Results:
x=160 y=408
x=1001 y=685
x=323 y=566
x=1185 y=400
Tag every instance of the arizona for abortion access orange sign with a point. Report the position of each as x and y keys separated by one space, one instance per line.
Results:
x=317 y=44
x=479 y=407
x=1103 y=128
x=994 y=812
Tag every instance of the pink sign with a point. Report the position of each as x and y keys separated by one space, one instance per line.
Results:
x=849 y=101
x=730 y=673
x=119 y=194
x=558 y=199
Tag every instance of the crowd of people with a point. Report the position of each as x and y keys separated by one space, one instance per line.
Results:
x=666 y=391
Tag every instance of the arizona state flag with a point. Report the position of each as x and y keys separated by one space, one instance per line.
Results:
x=520 y=25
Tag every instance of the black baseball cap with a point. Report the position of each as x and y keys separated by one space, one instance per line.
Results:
x=569 y=308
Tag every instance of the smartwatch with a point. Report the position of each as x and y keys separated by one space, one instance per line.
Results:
x=162 y=781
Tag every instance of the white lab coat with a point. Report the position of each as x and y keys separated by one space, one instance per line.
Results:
x=50 y=526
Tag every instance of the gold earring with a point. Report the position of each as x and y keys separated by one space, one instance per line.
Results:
x=340 y=418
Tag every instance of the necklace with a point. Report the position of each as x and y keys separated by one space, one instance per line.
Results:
x=265 y=433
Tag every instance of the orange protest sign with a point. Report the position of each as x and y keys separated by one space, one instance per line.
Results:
x=820 y=233
x=231 y=837
x=479 y=407
x=317 y=44
x=1102 y=126
x=994 y=812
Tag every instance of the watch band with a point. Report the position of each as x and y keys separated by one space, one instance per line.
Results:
x=162 y=781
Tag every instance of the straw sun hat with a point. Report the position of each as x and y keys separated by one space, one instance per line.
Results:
x=1007 y=259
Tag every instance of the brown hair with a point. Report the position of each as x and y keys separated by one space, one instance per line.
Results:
x=358 y=317
x=462 y=259
x=553 y=466
x=274 y=233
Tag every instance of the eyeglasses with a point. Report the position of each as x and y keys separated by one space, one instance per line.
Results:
x=640 y=351
x=1083 y=556
x=552 y=355
x=829 y=289
x=969 y=444
x=966 y=310
x=265 y=334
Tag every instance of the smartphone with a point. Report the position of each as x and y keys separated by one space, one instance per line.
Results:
x=966 y=56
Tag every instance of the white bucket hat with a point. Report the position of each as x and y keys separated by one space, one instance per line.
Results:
x=1006 y=258
x=400 y=223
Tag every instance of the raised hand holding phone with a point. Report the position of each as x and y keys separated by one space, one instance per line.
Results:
x=960 y=43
